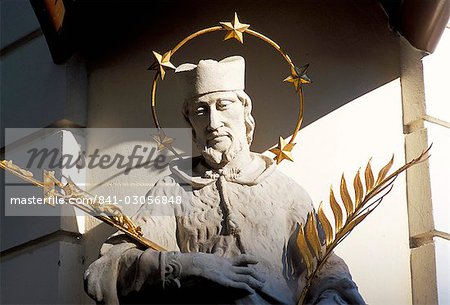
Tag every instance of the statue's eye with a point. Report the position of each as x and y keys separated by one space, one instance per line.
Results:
x=201 y=110
x=223 y=104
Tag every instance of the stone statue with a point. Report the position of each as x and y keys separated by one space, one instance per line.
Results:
x=232 y=240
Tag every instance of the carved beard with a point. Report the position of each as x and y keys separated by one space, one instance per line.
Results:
x=217 y=156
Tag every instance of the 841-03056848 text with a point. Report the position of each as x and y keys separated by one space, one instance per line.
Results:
x=139 y=200
x=156 y=200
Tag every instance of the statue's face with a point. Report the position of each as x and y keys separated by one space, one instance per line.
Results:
x=218 y=121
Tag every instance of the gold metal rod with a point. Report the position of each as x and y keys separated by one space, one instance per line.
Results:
x=300 y=116
x=174 y=152
x=194 y=35
x=153 y=101
x=289 y=61
x=251 y=32
x=272 y=43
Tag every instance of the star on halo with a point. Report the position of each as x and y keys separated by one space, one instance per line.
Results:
x=283 y=151
x=162 y=141
x=298 y=77
x=162 y=62
x=235 y=29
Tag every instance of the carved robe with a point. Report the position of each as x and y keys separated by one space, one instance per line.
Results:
x=255 y=211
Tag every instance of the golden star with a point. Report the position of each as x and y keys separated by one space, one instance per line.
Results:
x=162 y=62
x=162 y=141
x=298 y=77
x=283 y=151
x=235 y=29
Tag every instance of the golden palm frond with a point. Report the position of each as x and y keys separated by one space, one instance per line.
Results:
x=108 y=213
x=314 y=251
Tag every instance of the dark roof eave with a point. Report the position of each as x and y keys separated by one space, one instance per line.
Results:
x=423 y=22
x=420 y=22
x=53 y=19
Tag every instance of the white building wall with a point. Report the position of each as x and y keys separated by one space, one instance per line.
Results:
x=437 y=101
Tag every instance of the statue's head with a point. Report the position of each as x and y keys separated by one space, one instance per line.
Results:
x=217 y=108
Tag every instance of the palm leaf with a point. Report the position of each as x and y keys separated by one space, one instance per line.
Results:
x=348 y=204
x=359 y=192
x=364 y=204
x=325 y=225
x=313 y=235
x=352 y=224
x=383 y=172
x=109 y=214
x=304 y=250
x=337 y=211
x=368 y=176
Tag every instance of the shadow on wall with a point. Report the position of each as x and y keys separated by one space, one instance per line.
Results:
x=347 y=43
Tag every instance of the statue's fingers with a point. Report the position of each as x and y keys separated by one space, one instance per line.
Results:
x=239 y=285
x=249 y=271
x=249 y=280
x=245 y=259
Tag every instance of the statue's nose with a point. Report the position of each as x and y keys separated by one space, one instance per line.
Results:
x=215 y=119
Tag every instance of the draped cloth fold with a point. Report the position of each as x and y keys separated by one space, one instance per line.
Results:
x=255 y=210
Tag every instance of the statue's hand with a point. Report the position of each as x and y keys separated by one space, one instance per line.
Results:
x=229 y=273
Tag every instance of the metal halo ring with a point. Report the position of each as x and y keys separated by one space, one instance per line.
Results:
x=298 y=77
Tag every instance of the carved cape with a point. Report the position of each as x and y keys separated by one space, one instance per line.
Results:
x=255 y=211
